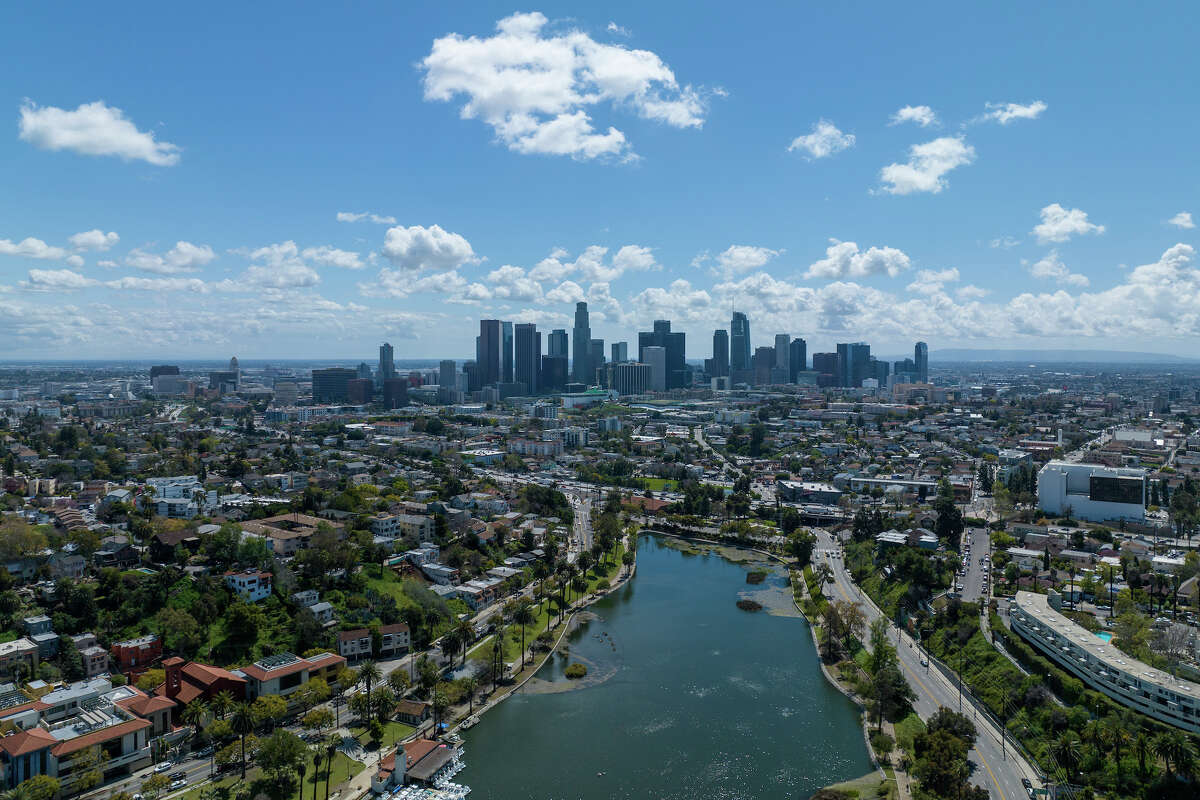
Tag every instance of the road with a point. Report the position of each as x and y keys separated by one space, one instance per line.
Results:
x=998 y=769
x=709 y=448
x=978 y=557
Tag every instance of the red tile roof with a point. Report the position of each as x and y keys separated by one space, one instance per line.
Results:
x=99 y=737
x=28 y=741
x=260 y=674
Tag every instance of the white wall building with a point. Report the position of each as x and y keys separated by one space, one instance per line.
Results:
x=1092 y=492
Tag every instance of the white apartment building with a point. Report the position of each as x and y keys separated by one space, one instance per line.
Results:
x=1093 y=492
x=1103 y=667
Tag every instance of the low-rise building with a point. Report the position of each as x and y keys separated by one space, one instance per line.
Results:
x=252 y=585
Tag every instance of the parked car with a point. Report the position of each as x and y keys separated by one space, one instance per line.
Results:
x=163 y=766
x=178 y=783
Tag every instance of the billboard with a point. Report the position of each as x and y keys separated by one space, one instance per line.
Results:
x=1105 y=489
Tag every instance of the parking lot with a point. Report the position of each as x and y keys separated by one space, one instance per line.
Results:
x=972 y=581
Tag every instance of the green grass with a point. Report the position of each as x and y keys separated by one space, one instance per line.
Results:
x=907 y=730
x=343 y=769
x=392 y=732
x=659 y=484
x=868 y=787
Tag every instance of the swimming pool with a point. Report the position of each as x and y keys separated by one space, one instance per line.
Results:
x=1105 y=636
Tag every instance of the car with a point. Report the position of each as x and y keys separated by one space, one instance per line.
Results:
x=163 y=766
x=958 y=586
x=179 y=783
x=924 y=661
x=205 y=752
x=178 y=776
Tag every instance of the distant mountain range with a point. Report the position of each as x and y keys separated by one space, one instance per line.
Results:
x=1060 y=356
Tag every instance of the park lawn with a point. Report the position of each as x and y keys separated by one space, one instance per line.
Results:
x=660 y=484
x=868 y=787
x=907 y=730
x=393 y=732
x=343 y=769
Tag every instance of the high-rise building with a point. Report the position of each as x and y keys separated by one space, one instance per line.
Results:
x=163 y=369
x=764 y=361
x=620 y=352
x=675 y=345
x=797 y=358
x=506 y=352
x=783 y=354
x=656 y=357
x=395 y=392
x=359 y=390
x=556 y=343
x=921 y=359
x=363 y=372
x=387 y=366
x=596 y=360
x=554 y=372
x=331 y=385
x=739 y=342
x=854 y=363
x=471 y=371
x=287 y=392
x=581 y=369
x=528 y=356
x=626 y=377
x=826 y=367
x=719 y=367
x=446 y=373
x=487 y=352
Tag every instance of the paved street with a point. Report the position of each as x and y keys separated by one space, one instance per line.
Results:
x=978 y=557
x=997 y=769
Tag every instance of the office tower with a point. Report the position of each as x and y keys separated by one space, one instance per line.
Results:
x=395 y=393
x=554 y=372
x=630 y=378
x=556 y=343
x=236 y=370
x=656 y=357
x=826 y=367
x=783 y=353
x=286 y=393
x=359 y=390
x=446 y=370
x=878 y=370
x=581 y=370
x=596 y=360
x=921 y=359
x=720 y=357
x=620 y=352
x=854 y=360
x=739 y=342
x=674 y=344
x=331 y=385
x=387 y=367
x=163 y=369
x=905 y=371
x=506 y=352
x=797 y=358
x=363 y=371
x=764 y=361
x=528 y=356
x=487 y=352
x=471 y=370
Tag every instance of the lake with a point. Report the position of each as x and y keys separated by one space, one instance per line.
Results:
x=687 y=696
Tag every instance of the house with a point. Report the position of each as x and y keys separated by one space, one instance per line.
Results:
x=284 y=673
x=67 y=565
x=394 y=640
x=287 y=534
x=164 y=544
x=323 y=612
x=354 y=644
x=135 y=655
x=252 y=585
x=115 y=551
x=95 y=661
x=19 y=651
x=412 y=712
x=413 y=762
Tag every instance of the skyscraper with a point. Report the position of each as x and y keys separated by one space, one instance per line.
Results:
x=446 y=374
x=581 y=351
x=720 y=356
x=783 y=353
x=656 y=357
x=674 y=343
x=739 y=342
x=921 y=358
x=528 y=356
x=620 y=352
x=506 y=352
x=797 y=358
x=387 y=367
x=596 y=360
x=854 y=363
x=556 y=343
x=331 y=385
x=487 y=352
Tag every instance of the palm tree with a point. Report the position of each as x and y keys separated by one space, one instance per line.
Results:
x=242 y=723
x=627 y=560
x=1164 y=748
x=318 y=754
x=1066 y=750
x=1118 y=738
x=471 y=685
x=466 y=632
x=523 y=616
x=330 y=747
x=194 y=714
x=302 y=769
x=1142 y=745
x=369 y=673
x=222 y=702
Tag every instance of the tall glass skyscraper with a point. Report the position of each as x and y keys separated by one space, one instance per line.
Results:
x=581 y=350
x=506 y=352
x=387 y=367
x=921 y=357
x=720 y=356
x=528 y=356
x=739 y=342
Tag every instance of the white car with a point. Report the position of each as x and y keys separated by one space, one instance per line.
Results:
x=163 y=766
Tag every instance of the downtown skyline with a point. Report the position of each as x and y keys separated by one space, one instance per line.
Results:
x=994 y=206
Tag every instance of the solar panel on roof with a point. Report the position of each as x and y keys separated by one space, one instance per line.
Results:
x=277 y=660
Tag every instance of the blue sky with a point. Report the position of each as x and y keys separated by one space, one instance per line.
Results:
x=173 y=177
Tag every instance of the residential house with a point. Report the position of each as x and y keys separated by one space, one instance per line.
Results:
x=251 y=585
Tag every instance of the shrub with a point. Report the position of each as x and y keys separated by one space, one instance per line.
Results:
x=575 y=671
x=749 y=605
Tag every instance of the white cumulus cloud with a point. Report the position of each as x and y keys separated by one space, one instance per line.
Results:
x=927 y=166
x=535 y=89
x=378 y=219
x=1004 y=113
x=183 y=257
x=845 y=260
x=328 y=256
x=1060 y=224
x=418 y=248
x=739 y=258
x=32 y=248
x=929 y=281
x=824 y=141
x=56 y=280
x=94 y=239
x=1052 y=268
x=921 y=115
x=93 y=129
x=1182 y=220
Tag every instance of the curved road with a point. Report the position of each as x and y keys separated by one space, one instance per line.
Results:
x=998 y=769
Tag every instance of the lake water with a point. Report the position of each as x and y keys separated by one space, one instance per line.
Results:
x=687 y=696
